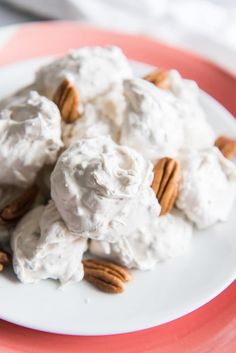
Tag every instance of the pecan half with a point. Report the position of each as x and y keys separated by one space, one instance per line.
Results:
x=67 y=98
x=4 y=259
x=227 y=146
x=167 y=174
x=18 y=207
x=106 y=276
x=159 y=78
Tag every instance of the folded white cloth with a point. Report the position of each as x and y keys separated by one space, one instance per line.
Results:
x=207 y=27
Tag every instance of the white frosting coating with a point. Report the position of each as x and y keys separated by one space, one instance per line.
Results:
x=101 y=117
x=187 y=90
x=112 y=104
x=93 y=71
x=30 y=136
x=151 y=124
x=43 y=247
x=159 y=123
x=91 y=124
x=96 y=184
x=197 y=132
x=208 y=186
x=162 y=238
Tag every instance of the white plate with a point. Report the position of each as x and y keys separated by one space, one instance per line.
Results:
x=172 y=290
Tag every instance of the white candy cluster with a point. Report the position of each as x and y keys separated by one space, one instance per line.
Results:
x=151 y=123
x=43 y=247
x=96 y=184
x=160 y=239
x=30 y=136
x=92 y=70
x=208 y=186
x=100 y=185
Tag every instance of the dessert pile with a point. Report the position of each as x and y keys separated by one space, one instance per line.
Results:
x=102 y=171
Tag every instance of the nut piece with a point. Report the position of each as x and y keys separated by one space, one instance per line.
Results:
x=18 y=207
x=159 y=78
x=227 y=146
x=4 y=259
x=66 y=98
x=165 y=184
x=106 y=276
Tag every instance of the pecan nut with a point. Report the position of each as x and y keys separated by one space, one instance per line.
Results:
x=167 y=174
x=227 y=146
x=18 y=207
x=4 y=259
x=67 y=99
x=159 y=78
x=106 y=276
